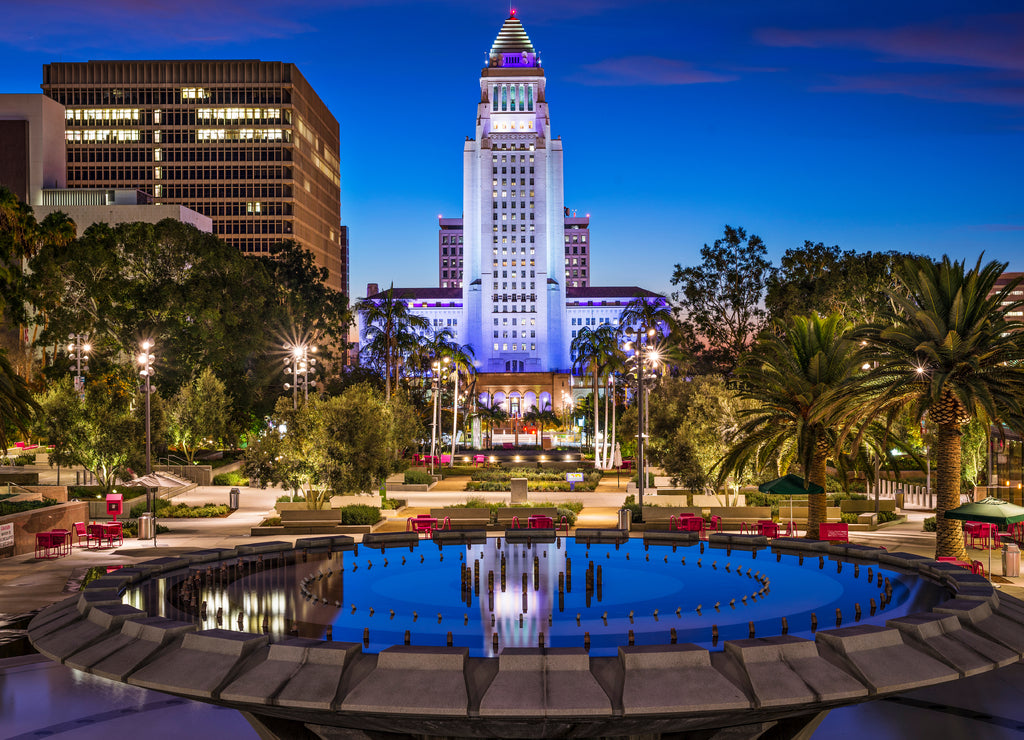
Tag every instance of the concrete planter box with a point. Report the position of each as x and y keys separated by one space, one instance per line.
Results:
x=338 y=502
x=27 y=523
x=413 y=486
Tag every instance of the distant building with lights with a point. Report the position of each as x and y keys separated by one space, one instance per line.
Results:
x=514 y=272
x=247 y=143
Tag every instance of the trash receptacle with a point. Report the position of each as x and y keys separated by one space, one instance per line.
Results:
x=233 y=499
x=1011 y=560
x=146 y=528
x=625 y=519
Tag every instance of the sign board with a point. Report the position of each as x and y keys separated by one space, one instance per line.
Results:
x=6 y=535
x=574 y=477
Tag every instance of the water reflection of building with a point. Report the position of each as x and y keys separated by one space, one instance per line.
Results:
x=534 y=603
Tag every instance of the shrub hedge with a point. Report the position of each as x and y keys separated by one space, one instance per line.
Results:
x=415 y=477
x=234 y=478
x=360 y=514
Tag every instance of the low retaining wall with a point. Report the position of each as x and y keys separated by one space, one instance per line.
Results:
x=28 y=523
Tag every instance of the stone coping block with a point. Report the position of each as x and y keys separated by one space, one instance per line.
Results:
x=120 y=653
x=316 y=684
x=979 y=616
x=521 y=536
x=62 y=619
x=274 y=667
x=460 y=537
x=430 y=682
x=670 y=538
x=799 y=545
x=784 y=670
x=165 y=564
x=384 y=540
x=906 y=561
x=554 y=682
x=942 y=637
x=670 y=679
x=334 y=543
x=210 y=555
x=261 y=548
x=855 y=550
x=110 y=581
x=726 y=540
x=204 y=662
x=601 y=536
x=879 y=658
x=95 y=626
x=52 y=612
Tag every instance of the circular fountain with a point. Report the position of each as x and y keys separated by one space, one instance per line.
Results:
x=535 y=635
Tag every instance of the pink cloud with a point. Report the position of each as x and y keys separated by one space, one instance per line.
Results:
x=647 y=70
x=991 y=41
x=953 y=88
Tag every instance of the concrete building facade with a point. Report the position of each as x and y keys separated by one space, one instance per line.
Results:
x=514 y=271
x=247 y=143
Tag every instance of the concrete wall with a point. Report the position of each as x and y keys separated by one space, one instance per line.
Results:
x=86 y=216
x=27 y=523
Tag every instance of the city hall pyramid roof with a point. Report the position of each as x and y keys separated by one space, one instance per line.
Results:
x=511 y=38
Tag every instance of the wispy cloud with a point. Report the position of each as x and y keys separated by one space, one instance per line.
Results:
x=990 y=41
x=646 y=70
x=953 y=87
x=996 y=227
x=63 y=26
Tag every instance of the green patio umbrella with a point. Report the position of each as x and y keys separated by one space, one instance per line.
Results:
x=789 y=485
x=990 y=511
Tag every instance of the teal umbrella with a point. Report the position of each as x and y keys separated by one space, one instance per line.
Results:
x=790 y=485
x=990 y=511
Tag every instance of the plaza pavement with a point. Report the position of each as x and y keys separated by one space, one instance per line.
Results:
x=50 y=699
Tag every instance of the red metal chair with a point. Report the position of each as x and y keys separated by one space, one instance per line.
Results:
x=716 y=523
x=541 y=522
x=114 y=531
x=977 y=568
x=81 y=533
x=44 y=546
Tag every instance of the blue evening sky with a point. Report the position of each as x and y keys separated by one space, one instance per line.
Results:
x=872 y=125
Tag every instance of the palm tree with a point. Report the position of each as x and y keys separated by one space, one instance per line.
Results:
x=587 y=356
x=612 y=360
x=391 y=330
x=791 y=378
x=947 y=349
x=491 y=415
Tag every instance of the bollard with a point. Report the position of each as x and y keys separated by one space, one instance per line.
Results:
x=672 y=637
x=632 y=639
x=366 y=636
x=408 y=637
x=751 y=626
x=494 y=642
x=839 y=617
x=814 y=622
x=586 y=641
x=785 y=626
x=449 y=639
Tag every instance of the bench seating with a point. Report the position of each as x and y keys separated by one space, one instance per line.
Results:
x=524 y=513
x=311 y=521
x=463 y=518
x=734 y=516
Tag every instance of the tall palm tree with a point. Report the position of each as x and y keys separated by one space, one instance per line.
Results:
x=587 y=357
x=391 y=330
x=948 y=349
x=790 y=376
x=612 y=360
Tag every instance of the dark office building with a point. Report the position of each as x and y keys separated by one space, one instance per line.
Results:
x=246 y=142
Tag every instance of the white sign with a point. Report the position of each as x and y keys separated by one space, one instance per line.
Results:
x=6 y=535
x=574 y=477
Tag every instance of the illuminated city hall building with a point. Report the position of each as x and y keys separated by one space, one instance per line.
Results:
x=514 y=270
x=246 y=142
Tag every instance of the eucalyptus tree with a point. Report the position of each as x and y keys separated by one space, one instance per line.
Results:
x=790 y=377
x=392 y=331
x=949 y=349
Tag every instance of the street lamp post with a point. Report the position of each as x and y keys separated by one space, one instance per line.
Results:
x=299 y=365
x=145 y=359
x=79 y=349
x=455 y=412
